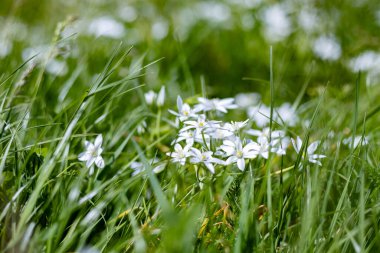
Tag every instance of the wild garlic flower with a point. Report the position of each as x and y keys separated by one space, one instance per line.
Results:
x=184 y=110
x=205 y=158
x=237 y=153
x=215 y=104
x=309 y=151
x=179 y=155
x=93 y=153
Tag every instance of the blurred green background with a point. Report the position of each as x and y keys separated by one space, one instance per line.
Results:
x=227 y=41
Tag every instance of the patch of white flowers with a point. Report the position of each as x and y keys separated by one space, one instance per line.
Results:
x=216 y=144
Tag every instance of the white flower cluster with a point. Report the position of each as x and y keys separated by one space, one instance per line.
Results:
x=209 y=142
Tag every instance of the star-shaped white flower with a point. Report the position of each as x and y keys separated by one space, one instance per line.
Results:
x=237 y=153
x=93 y=153
x=309 y=152
x=180 y=154
x=205 y=158
x=184 y=110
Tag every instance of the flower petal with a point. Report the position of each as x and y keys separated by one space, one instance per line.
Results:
x=84 y=156
x=241 y=164
x=99 y=162
x=312 y=147
x=98 y=141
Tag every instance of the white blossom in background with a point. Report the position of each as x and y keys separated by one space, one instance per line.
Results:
x=260 y=115
x=93 y=153
x=308 y=19
x=5 y=47
x=286 y=114
x=213 y=11
x=150 y=97
x=160 y=29
x=368 y=61
x=107 y=27
x=205 y=158
x=128 y=13
x=327 y=48
x=236 y=153
x=358 y=140
x=265 y=133
x=139 y=167
x=215 y=104
x=244 y=100
x=297 y=144
x=56 y=67
x=277 y=24
x=141 y=127
x=161 y=97
x=179 y=155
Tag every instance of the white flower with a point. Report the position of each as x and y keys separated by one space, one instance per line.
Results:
x=237 y=153
x=184 y=110
x=205 y=158
x=180 y=154
x=309 y=152
x=235 y=126
x=280 y=145
x=161 y=97
x=247 y=99
x=275 y=134
x=139 y=167
x=188 y=136
x=262 y=147
x=107 y=27
x=287 y=115
x=200 y=125
x=221 y=133
x=260 y=114
x=93 y=153
x=327 y=48
x=141 y=127
x=216 y=104
x=150 y=96
x=357 y=140
x=277 y=24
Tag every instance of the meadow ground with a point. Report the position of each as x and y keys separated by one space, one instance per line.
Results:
x=181 y=126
